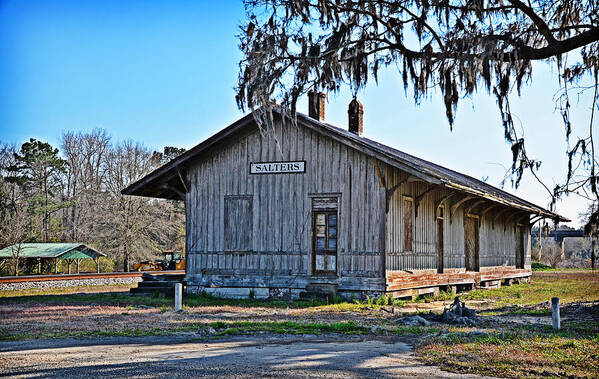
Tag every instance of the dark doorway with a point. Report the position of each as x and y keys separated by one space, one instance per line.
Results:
x=520 y=247
x=471 y=243
x=440 y=240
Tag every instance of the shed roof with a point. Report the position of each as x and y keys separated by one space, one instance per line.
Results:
x=167 y=181
x=72 y=250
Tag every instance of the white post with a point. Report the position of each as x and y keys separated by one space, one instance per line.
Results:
x=178 y=296
x=555 y=313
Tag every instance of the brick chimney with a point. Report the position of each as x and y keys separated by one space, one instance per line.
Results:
x=355 y=113
x=316 y=105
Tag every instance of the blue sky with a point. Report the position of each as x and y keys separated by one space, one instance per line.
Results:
x=163 y=73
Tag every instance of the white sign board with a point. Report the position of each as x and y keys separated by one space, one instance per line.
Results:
x=278 y=167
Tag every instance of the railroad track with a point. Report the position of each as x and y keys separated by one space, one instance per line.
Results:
x=105 y=275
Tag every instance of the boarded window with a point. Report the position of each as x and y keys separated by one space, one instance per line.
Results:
x=408 y=212
x=238 y=223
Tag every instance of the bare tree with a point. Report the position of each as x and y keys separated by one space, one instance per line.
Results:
x=137 y=227
x=553 y=254
x=14 y=231
x=453 y=47
x=83 y=196
x=85 y=180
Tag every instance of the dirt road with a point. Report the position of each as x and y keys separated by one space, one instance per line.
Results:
x=239 y=357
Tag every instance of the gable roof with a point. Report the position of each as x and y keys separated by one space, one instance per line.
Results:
x=52 y=250
x=167 y=181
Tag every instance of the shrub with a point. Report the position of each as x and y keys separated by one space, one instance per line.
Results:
x=538 y=266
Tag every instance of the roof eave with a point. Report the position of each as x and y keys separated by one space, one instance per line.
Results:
x=535 y=210
x=168 y=170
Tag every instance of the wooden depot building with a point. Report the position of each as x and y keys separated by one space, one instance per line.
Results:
x=310 y=207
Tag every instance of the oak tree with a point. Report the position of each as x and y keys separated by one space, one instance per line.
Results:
x=449 y=47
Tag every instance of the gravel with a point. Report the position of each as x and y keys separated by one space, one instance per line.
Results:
x=239 y=357
x=68 y=283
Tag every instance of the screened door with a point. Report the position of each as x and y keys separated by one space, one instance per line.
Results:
x=324 y=257
x=471 y=243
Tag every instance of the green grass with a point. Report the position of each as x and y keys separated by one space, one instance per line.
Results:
x=580 y=286
x=518 y=312
x=287 y=327
x=538 y=266
x=532 y=351
x=221 y=328
x=66 y=296
x=124 y=299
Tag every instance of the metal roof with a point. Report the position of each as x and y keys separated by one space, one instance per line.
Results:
x=164 y=180
x=52 y=250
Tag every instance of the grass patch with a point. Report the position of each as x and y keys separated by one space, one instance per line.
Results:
x=517 y=312
x=415 y=330
x=579 y=286
x=77 y=297
x=125 y=299
x=520 y=352
x=538 y=266
x=220 y=328
x=287 y=327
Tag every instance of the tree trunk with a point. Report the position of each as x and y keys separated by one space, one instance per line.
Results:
x=126 y=259
x=592 y=253
x=46 y=210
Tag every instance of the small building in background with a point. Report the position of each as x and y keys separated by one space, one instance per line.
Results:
x=309 y=207
x=72 y=252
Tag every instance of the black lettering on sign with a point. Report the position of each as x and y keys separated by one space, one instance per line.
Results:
x=295 y=167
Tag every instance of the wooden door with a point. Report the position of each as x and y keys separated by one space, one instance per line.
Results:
x=471 y=243
x=324 y=242
x=440 y=240
x=519 y=247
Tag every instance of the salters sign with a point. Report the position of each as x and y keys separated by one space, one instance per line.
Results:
x=277 y=167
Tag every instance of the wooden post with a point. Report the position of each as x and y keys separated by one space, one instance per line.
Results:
x=555 y=313
x=592 y=252
x=69 y=262
x=55 y=266
x=77 y=263
x=97 y=265
x=39 y=266
x=178 y=296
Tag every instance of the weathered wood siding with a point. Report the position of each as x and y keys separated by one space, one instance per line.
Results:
x=497 y=240
x=281 y=245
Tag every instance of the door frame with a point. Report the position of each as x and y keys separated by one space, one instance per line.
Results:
x=440 y=224
x=329 y=208
x=520 y=246
x=474 y=266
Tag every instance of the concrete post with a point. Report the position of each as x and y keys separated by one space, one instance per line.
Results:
x=555 y=313
x=55 y=265
x=178 y=296
x=97 y=265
